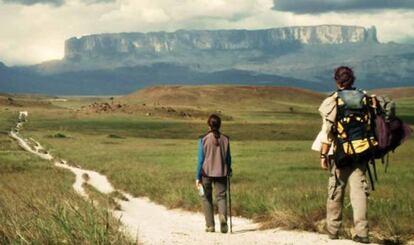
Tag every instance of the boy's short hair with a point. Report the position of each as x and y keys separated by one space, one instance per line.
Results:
x=344 y=76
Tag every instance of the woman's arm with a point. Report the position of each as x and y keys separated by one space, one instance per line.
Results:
x=200 y=159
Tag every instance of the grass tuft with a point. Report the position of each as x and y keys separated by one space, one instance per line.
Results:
x=59 y=136
x=115 y=136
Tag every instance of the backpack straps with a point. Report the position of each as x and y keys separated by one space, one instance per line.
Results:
x=355 y=157
x=347 y=140
x=371 y=122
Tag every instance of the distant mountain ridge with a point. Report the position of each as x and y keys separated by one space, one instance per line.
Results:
x=206 y=50
x=119 y=63
x=176 y=42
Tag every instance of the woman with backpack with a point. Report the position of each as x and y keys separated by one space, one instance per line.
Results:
x=213 y=168
x=347 y=126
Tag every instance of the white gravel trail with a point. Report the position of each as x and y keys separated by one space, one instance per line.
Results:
x=151 y=223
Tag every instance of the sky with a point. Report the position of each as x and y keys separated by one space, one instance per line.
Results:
x=34 y=31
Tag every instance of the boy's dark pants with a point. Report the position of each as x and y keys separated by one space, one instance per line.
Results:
x=220 y=186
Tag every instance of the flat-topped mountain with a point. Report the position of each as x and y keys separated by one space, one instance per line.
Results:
x=190 y=40
x=119 y=63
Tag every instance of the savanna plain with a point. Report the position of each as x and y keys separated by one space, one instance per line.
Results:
x=146 y=144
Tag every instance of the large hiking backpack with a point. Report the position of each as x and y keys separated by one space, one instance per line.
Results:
x=366 y=128
x=390 y=130
x=355 y=138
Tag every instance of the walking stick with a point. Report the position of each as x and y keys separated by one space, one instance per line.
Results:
x=370 y=177
x=229 y=202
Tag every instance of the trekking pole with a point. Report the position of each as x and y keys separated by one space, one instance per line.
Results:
x=229 y=202
x=386 y=162
x=370 y=177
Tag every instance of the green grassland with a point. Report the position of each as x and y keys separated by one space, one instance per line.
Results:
x=405 y=108
x=38 y=205
x=276 y=177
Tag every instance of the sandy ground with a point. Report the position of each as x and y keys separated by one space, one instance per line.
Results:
x=149 y=223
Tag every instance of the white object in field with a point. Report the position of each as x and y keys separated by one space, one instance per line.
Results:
x=58 y=100
x=200 y=190
x=317 y=144
x=23 y=115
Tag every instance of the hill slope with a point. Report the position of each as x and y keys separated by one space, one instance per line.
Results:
x=395 y=93
x=222 y=96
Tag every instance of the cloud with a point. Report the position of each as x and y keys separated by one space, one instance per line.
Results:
x=97 y=1
x=322 y=6
x=55 y=3
x=32 y=2
x=28 y=40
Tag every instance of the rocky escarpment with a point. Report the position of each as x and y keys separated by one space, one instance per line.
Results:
x=109 y=64
x=165 y=43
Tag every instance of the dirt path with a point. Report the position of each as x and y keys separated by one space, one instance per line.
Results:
x=150 y=223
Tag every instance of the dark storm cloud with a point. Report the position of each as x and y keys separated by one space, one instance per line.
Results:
x=321 y=6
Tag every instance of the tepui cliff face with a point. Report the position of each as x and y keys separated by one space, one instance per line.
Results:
x=291 y=56
x=164 y=43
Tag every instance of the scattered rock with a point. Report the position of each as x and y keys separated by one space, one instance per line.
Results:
x=114 y=136
x=59 y=135
x=185 y=114
x=104 y=107
x=10 y=100
x=85 y=177
x=170 y=109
